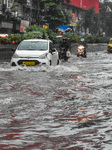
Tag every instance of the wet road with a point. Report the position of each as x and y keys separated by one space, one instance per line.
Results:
x=67 y=107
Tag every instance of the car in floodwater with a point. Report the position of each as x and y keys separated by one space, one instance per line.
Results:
x=33 y=52
x=109 y=46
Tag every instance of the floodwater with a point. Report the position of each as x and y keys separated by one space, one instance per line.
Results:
x=67 y=107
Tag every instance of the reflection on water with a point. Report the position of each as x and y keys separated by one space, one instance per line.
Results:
x=62 y=107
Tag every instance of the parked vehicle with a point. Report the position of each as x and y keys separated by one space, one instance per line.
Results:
x=35 y=52
x=3 y=35
x=81 y=51
x=109 y=46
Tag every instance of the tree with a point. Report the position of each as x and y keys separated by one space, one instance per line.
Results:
x=56 y=1
x=91 y=21
x=106 y=17
x=99 y=22
x=55 y=16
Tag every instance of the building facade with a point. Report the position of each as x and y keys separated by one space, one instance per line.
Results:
x=86 y=4
x=5 y=24
x=77 y=8
x=12 y=12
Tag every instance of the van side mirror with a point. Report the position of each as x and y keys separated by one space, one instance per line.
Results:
x=53 y=49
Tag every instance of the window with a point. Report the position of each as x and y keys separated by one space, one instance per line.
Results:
x=52 y=46
x=7 y=2
x=33 y=45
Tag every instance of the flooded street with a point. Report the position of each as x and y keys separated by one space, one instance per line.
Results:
x=67 y=107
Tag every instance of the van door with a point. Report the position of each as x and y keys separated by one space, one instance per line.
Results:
x=53 y=51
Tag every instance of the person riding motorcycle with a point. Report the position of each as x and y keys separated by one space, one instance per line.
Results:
x=64 y=49
x=64 y=44
x=83 y=42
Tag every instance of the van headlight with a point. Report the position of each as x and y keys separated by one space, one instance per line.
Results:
x=15 y=55
x=43 y=56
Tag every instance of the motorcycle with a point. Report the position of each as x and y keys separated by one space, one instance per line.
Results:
x=81 y=51
x=64 y=54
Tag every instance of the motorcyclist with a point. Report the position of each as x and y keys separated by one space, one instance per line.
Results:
x=64 y=44
x=83 y=42
x=64 y=49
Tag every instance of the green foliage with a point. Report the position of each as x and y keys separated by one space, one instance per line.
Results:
x=89 y=38
x=91 y=21
x=32 y=28
x=56 y=1
x=102 y=20
x=51 y=34
x=15 y=37
x=68 y=16
x=33 y=35
x=105 y=14
x=96 y=39
x=55 y=16
x=5 y=40
x=35 y=32
x=74 y=37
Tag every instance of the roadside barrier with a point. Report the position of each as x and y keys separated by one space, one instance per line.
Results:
x=6 y=52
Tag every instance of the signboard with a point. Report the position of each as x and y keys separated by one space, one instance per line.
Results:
x=74 y=17
x=23 y=25
x=64 y=29
x=45 y=26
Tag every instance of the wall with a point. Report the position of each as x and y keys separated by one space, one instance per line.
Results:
x=6 y=52
x=86 y=4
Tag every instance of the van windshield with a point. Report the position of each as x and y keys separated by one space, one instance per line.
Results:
x=33 y=45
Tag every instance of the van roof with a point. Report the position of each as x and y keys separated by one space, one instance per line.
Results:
x=36 y=40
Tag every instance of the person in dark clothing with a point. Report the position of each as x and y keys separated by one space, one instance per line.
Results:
x=64 y=44
x=64 y=49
